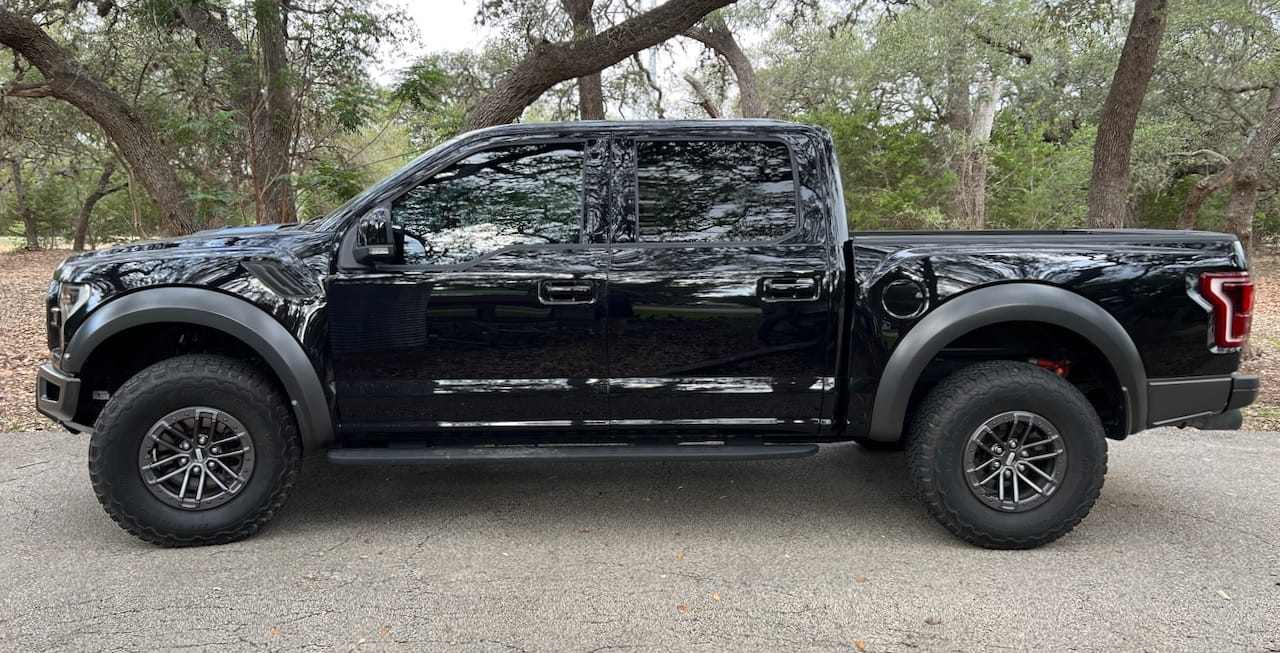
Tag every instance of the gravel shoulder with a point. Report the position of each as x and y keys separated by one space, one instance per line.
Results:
x=1182 y=553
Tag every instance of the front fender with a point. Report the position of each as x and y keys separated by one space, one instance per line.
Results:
x=1012 y=302
x=228 y=314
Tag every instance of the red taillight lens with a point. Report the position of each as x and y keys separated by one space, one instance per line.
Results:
x=1231 y=296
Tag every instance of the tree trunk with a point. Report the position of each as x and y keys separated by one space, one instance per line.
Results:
x=273 y=124
x=704 y=98
x=86 y=210
x=1248 y=171
x=590 y=91
x=1106 y=202
x=67 y=80
x=715 y=34
x=263 y=97
x=1201 y=192
x=24 y=209
x=548 y=64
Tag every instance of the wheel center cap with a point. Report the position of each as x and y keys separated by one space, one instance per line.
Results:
x=200 y=455
x=1008 y=460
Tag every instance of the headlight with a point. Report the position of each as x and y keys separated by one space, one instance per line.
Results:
x=73 y=297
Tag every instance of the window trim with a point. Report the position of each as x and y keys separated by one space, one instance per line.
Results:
x=584 y=141
x=680 y=138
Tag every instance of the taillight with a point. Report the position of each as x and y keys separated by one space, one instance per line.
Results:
x=1231 y=296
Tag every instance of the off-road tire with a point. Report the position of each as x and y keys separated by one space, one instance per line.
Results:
x=958 y=407
x=226 y=384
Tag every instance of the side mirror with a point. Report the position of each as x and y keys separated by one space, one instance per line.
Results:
x=375 y=237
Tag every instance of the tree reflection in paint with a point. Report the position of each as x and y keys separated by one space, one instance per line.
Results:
x=520 y=195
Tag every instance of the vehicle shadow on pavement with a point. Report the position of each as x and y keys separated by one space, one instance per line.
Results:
x=842 y=484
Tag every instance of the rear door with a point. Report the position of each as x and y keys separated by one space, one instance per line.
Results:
x=718 y=295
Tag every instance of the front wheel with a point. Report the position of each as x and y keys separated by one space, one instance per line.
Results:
x=1007 y=455
x=194 y=450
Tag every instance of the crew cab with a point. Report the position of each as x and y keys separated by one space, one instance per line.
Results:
x=605 y=291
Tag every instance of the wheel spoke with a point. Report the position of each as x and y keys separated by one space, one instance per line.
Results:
x=1039 y=443
x=215 y=478
x=984 y=481
x=182 y=494
x=1026 y=480
x=161 y=463
x=1014 y=481
x=1041 y=472
x=1051 y=454
x=224 y=454
x=155 y=437
x=200 y=487
x=168 y=476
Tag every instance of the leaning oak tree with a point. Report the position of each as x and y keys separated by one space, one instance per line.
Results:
x=65 y=78
x=1106 y=202
x=548 y=64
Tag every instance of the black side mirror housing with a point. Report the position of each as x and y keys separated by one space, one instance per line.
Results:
x=375 y=237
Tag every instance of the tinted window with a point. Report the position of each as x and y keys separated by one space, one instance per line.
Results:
x=714 y=191
x=522 y=195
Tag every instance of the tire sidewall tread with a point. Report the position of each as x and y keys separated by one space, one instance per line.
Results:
x=224 y=383
x=953 y=410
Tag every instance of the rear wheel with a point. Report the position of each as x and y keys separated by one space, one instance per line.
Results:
x=194 y=450
x=1007 y=455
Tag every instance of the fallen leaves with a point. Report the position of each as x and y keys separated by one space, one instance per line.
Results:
x=1224 y=595
x=860 y=645
x=384 y=631
x=860 y=579
x=715 y=597
x=932 y=621
x=683 y=608
x=275 y=632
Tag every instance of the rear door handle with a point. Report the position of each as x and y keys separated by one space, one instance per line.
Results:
x=788 y=289
x=561 y=293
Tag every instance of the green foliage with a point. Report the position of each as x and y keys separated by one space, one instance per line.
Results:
x=1035 y=183
x=889 y=182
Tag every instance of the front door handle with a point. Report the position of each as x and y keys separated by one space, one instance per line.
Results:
x=788 y=289
x=561 y=293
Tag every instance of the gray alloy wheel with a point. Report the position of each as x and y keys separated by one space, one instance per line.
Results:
x=194 y=450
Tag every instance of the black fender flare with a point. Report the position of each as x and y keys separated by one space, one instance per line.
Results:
x=1010 y=302
x=230 y=315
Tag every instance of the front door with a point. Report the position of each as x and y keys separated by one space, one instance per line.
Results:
x=493 y=319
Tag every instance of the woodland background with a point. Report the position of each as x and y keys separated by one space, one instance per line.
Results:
x=122 y=119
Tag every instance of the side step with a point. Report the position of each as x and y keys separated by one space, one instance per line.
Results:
x=577 y=454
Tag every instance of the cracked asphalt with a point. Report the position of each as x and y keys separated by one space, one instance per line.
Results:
x=1181 y=553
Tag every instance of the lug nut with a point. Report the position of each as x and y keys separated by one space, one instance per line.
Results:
x=1012 y=444
x=183 y=460
x=995 y=463
x=185 y=446
x=219 y=450
x=203 y=440
x=1025 y=453
x=1021 y=466
x=212 y=464
x=998 y=449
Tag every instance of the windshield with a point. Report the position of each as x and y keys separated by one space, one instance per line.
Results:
x=335 y=218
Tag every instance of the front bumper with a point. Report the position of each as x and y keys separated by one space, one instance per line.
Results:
x=58 y=397
x=1180 y=401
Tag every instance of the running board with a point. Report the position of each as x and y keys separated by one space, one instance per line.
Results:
x=577 y=454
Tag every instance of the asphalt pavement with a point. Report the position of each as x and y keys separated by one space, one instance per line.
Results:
x=1181 y=553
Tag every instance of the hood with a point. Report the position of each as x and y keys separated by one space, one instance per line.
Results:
x=200 y=257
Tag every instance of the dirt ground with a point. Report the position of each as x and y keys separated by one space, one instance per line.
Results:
x=24 y=278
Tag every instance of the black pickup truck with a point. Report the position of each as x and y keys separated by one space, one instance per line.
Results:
x=607 y=291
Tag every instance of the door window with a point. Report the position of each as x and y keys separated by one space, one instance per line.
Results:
x=714 y=191
x=491 y=200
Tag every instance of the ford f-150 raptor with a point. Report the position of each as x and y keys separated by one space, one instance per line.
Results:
x=634 y=291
